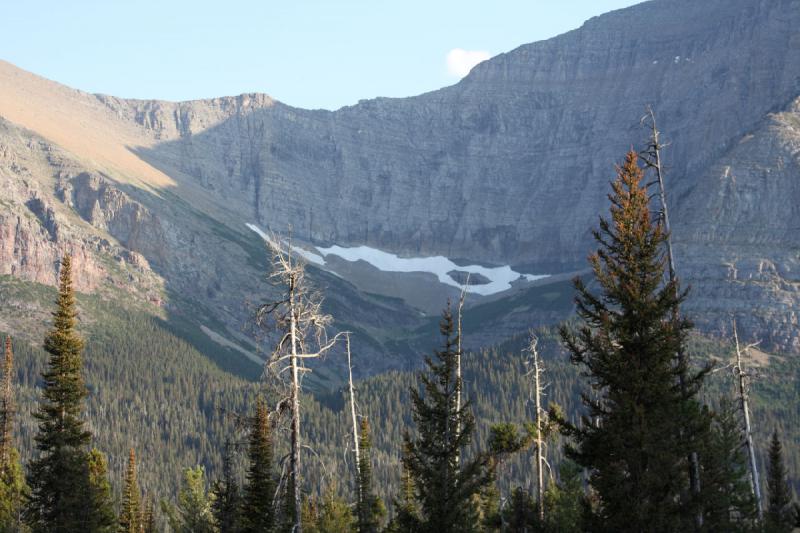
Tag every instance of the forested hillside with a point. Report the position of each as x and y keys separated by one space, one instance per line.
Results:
x=155 y=391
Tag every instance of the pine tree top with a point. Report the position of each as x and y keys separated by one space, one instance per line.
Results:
x=633 y=436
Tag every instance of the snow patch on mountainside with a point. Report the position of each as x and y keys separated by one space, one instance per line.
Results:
x=311 y=257
x=500 y=278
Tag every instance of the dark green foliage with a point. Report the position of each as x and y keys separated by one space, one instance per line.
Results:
x=133 y=361
x=190 y=429
x=565 y=501
x=331 y=514
x=257 y=509
x=444 y=486
x=407 y=515
x=370 y=510
x=59 y=479
x=149 y=519
x=130 y=515
x=728 y=501
x=7 y=407
x=779 y=512
x=13 y=488
x=505 y=439
x=13 y=491
x=520 y=515
x=102 y=518
x=488 y=504
x=227 y=499
x=193 y=513
x=633 y=438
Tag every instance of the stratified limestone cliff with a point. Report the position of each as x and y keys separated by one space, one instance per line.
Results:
x=509 y=166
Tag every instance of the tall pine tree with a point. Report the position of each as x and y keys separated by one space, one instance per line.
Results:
x=193 y=512
x=257 y=510
x=102 y=518
x=59 y=478
x=445 y=485
x=149 y=522
x=12 y=480
x=369 y=510
x=728 y=501
x=779 y=517
x=130 y=516
x=640 y=424
x=227 y=499
x=407 y=512
x=7 y=408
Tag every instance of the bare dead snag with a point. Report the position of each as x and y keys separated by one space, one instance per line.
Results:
x=652 y=159
x=302 y=326
x=459 y=378
x=353 y=415
x=536 y=369
x=742 y=375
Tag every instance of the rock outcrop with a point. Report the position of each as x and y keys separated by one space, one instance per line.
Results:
x=509 y=166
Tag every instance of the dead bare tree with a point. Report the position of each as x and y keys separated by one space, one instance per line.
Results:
x=459 y=378
x=302 y=327
x=652 y=159
x=353 y=415
x=742 y=375
x=536 y=369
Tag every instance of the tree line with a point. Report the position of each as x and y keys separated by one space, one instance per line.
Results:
x=645 y=455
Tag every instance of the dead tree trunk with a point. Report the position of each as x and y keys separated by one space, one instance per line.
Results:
x=294 y=462
x=744 y=403
x=536 y=371
x=459 y=380
x=299 y=319
x=353 y=415
x=652 y=158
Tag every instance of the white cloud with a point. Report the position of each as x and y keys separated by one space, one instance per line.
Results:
x=460 y=61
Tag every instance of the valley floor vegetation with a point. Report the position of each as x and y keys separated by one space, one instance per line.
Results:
x=645 y=452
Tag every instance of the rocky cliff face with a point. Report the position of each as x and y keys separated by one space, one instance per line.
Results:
x=511 y=165
x=487 y=169
x=41 y=185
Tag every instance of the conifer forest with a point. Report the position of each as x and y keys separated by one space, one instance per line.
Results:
x=623 y=418
x=400 y=267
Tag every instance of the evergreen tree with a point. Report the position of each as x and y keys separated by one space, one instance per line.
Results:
x=130 y=516
x=59 y=477
x=370 y=510
x=102 y=518
x=641 y=426
x=565 y=500
x=445 y=486
x=7 y=408
x=13 y=491
x=728 y=501
x=407 y=517
x=193 y=513
x=227 y=499
x=149 y=523
x=488 y=504
x=257 y=510
x=330 y=515
x=12 y=480
x=520 y=514
x=779 y=516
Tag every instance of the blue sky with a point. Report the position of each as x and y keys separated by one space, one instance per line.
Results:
x=307 y=53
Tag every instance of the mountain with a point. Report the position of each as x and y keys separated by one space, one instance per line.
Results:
x=509 y=167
